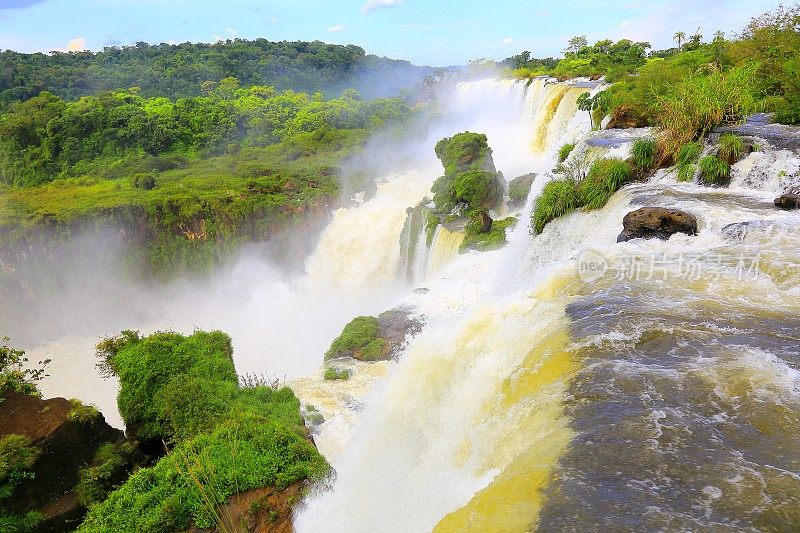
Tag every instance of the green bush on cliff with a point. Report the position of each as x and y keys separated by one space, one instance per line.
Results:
x=109 y=468
x=476 y=188
x=475 y=239
x=462 y=152
x=15 y=374
x=224 y=438
x=359 y=339
x=17 y=457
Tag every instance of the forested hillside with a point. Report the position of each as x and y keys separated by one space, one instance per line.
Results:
x=182 y=70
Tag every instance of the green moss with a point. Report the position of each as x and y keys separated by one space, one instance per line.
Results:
x=564 y=151
x=82 y=413
x=643 y=152
x=358 y=339
x=475 y=239
x=731 y=148
x=462 y=152
x=431 y=223
x=519 y=188
x=713 y=170
x=336 y=374
x=558 y=198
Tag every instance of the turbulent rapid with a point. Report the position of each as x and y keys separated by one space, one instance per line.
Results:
x=662 y=395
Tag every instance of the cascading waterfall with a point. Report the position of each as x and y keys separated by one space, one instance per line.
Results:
x=511 y=409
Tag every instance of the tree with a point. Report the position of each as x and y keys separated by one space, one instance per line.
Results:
x=14 y=377
x=585 y=103
x=679 y=37
x=576 y=43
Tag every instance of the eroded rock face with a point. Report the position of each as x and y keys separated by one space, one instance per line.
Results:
x=656 y=222
x=788 y=201
x=395 y=327
x=66 y=445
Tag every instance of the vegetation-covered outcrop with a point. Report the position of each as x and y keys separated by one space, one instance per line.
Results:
x=187 y=69
x=221 y=438
x=369 y=338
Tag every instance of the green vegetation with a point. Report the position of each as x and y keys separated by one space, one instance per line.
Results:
x=731 y=148
x=15 y=375
x=359 y=339
x=558 y=198
x=17 y=457
x=713 y=170
x=336 y=374
x=644 y=153
x=470 y=177
x=605 y=177
x=225 y=439
x=189 y=69
x=561 y=197
x=564 y=151
x=108 y=469
x=475 y=239
x=83 y=414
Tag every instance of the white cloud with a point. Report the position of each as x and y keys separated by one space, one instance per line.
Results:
x=373 y=5
x=625 y=24
x=336 y=29
x=507 y=40
x=231 y=32
x=76 y=45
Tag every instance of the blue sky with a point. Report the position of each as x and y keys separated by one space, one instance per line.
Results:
x=433 y=32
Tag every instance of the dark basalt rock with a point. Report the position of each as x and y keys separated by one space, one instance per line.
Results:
x=656 y=222
x=787 y=201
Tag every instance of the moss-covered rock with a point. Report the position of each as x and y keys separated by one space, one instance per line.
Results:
x=465 y=151
x=476 y=238
x=518 y=190
x=369 y=338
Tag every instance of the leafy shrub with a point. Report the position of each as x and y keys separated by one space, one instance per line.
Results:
x=731 y=148
x=144 y=181
x=336 y=374
x=564 y=151
x=643 y=152
x=789 y=111
x=108 y=469
x=170 y=385
x=713 y=170
x=359 y=338
x=82 y=413
x=476 y=188
x=604 y=179
x=558 y=198
x=14 y=377
x=17 y=456
x=226 y=438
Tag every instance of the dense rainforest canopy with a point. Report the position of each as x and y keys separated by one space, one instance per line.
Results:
x=181 y=70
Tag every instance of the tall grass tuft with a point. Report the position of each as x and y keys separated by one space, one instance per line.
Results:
x=713 y=170
x=564 y=151
x=731 y=148
x=604 y=179
x=558 y=198
x=644 y=153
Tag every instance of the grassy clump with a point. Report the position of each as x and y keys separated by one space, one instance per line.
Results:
x=564 y=151
x=82 y=413
x=644 y=153
x=109 y=468
x=605 y=177
x=713 y=170
x=475 y=239
x=359 y=339
x=686 y=160
x=225 y=438
x=731 y=148
x=336 y=374
x=558 y=198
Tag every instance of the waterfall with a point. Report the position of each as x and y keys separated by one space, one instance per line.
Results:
x=511 y=409
x=444 y=247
